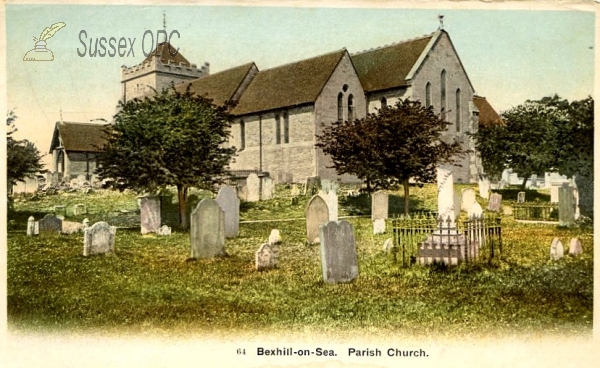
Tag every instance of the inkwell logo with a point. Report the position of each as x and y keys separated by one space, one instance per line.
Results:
x=40 y=52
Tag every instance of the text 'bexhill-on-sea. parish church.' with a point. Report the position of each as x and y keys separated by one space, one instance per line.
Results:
x=279 y=111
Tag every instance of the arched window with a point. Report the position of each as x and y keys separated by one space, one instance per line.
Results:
x=458 y=115
x=350 y=108
x=383 y=102
x=286 y=128
x=428 y=94
x=341 y=107
x=277 y=129
x=242 y=135
x=443 y=94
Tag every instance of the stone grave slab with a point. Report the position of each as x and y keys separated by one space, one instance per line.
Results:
x=207 y=230
x=380 y=205
x=266 y=257
x=149 y=214
x=317 y=214
x=253 y=188
x=50 y=223
x=575 y=248
x=99 y=239
x=230 y=204
x=557 y=250
x=338 y=252
x=495 y=203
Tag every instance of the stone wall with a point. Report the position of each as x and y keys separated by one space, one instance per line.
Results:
x=80 y=164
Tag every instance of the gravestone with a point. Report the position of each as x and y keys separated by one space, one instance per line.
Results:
x=266 y=257
x=378 y=226
x=388 y=244
x=60 y=211
x=99 y=239
x=149 y=213
x=495 y=204
x=71 y=227
x=446 y=195
x=575 y=248
x=32 y=227
x=312 y=185
x=274 y=237
x=521 y=197
x=164 y=231
x=554 y=194
x=484 y=187
x=457 y=203
x=253 y=188
x=79 y=209
x=331 y=199
x=207 y=230
x=86 y=223
x=338 y=252
x=317 y=214
x=230 y=204
x=557 y=250
x=50 y=223
x=295 y=191
x=242 y=193
x=475 y=211
x=566 y=206
x=380 y=205
x=267 y=188
x=468 y=199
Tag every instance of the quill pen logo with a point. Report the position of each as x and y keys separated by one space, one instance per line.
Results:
x=40 y=52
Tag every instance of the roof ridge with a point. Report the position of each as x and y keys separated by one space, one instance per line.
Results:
x=81 y=122
x=394 y=44
x=248 y=64
x=299 y=61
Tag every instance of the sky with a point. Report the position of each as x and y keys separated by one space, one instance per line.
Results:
x=509 y=55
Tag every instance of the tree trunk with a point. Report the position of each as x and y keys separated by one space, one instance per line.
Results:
x=182 y=192
x=527 y=176
x=406 y=196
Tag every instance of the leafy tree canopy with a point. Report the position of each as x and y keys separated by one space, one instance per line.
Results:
x=22 y=157
x=170 y=139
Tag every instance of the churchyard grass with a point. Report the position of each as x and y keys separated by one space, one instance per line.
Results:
x=151 y=286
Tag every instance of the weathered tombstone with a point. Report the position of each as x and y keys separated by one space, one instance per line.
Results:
x=207 y=230
x=445 y=195
x=32 y=227
x=266 y=257
x=312 y=185
x=388 y=244
x=295 y=191
x=50 y=223
x=317 y=214
x=230 y=204
x=99 y=239
x=468 y=199
x=557 y=250
x=79 y=209
x=338 y=252
x=484 y=187
x=164 y=230
x=566 y=206
x=378 y=226
x=274 y=237
x=60 y=211
x=253 y=188
x=331 y=199
x=521 y=197
x=554 y=194
x=495 y=203
x=475 y=211
x=149 y=213
x=242 y=192
x=267 y=188
x=380 y=205
x=575 y=248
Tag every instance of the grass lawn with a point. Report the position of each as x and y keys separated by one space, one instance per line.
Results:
x=150 y=285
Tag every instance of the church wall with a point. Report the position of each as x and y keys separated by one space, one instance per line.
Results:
x=392 y=96
x=78 y=164
x=138 y=87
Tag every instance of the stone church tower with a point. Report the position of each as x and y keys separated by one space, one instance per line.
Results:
x=163 y=67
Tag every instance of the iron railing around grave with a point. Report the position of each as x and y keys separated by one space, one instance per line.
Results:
x=536 y=212
x=483 y=235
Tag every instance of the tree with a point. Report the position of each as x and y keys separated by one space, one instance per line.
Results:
x=391 y=146
x=170 y=139
x=22 y=157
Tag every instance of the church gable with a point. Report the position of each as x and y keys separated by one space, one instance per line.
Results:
x=81 y=137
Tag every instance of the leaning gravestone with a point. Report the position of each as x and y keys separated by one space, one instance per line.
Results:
x=566 y=206
x=230 y=204
x=267 y=188
x=575 y=248
x=380 y=205
x=521 y=197
x=207 y=230
x=50 y=223
x=99 y=239
x=149 y=213
x=338 y=252
x=266 y=257
x=557 y=250
x=468 y=199
x=317 y=214
x=495 y=204
x=253 y=188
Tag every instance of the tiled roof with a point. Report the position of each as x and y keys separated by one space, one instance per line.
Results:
x=82 y=137
x=487 y=115
x=288 y=85
x=221 y=86
x=387 y=67
x=165 y=50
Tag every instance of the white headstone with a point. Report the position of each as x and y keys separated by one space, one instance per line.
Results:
x=557 y=251
x=274 y=237
x=445 y=195
x=475 y=211
x=164 y=230
x=317 y=214
x=468 y=199
x=207 y=230
x=338 y=252
x=554 y=194
x=253 y=188
x=32 y=227
x=267 y=188
x=86 y=223
x=521 y=197
x=378 y=226
x=332 y=203
x=266 y=257
x=380 y=205
x=71 y=227
x=149 y=213
x=99 y=239
x=484 y=188
x=230 y=204
x=295 y=191
x=388 y=244
x=575 y=248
